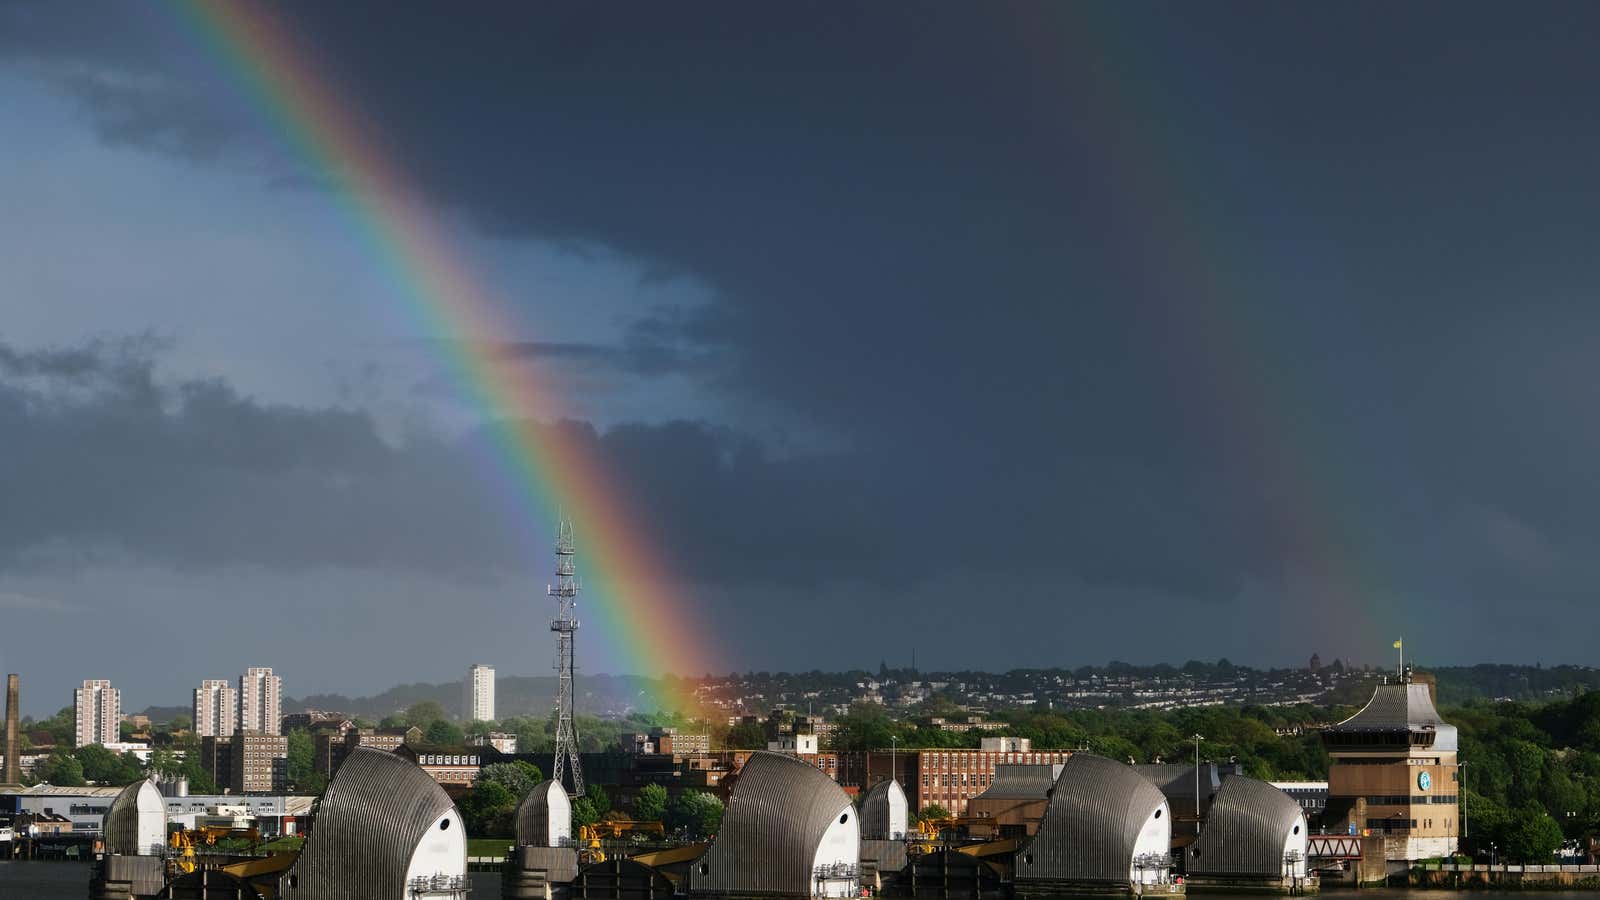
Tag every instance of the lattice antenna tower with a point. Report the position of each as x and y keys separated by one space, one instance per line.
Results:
x=565 y=626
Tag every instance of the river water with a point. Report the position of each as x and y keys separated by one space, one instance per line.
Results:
x=70 y=881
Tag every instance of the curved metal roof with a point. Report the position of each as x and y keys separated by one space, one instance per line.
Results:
x=532 y=819
x=875 y=808
x=122 y=819
x=1092 y=823
x=367 y=826
x=1245 y=833
x=1024 y=782
x=776 y=817
x=1400 y=707
x=1394 y=706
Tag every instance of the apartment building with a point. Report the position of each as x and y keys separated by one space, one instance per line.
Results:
x=260 y=701
x=477 y=703
x=260 y=763
x=216 y=708
x=97 y=713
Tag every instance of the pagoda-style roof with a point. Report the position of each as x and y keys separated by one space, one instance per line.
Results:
x=1396 y=709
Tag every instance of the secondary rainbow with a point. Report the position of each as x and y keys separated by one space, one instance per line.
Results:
x=650 y=626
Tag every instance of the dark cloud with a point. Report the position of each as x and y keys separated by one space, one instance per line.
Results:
x=1179 y=303
x=101 y=456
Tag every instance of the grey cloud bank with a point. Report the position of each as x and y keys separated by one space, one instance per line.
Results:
x=1111 y=331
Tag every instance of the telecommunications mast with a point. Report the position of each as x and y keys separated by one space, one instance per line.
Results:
x=565 y=625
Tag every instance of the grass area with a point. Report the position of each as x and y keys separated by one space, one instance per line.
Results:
x=499 y=847
x=288 y=842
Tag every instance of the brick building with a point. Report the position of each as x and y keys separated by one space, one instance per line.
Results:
x=452 y=767
x=260 y=763
x=332 y=747
x=947 y=777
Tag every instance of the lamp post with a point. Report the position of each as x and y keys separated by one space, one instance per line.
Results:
x=894 y=744
x=1197 y=739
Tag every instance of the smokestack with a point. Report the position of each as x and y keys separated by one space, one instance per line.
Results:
x=13 y=771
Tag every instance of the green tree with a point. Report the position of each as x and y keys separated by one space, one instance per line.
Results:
x=61 y=770
x=424 y=713
x=747 y=736
x=651 y=805
x=164 y=762
x=518 y=777
x=866 y=726
x=105 y=767
x=200 y=781
x=488 y=809
x=598 y=799
x=1532 y=835
x=181 y=722
x=697 y=813
x=933 y=811
x=61 y=727
x=583 y=813
x=302 y=760
x=443 y=733
x=313 y=784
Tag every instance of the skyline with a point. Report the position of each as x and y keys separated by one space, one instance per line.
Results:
x=611 y=690
x=1021 y=335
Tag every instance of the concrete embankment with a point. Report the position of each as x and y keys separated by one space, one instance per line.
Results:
x=1505 y=877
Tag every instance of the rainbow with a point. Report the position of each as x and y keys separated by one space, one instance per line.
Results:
x=1255 y=405
x=650 y=626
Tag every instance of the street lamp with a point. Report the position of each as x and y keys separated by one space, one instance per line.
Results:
x=894 y=744
x=1197 y=739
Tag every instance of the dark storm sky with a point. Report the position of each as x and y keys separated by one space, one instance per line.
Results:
x=1024 y=334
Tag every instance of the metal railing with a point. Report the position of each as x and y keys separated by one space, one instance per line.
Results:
x=432 y=885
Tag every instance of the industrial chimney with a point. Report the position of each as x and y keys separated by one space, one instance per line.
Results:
x=13 y=770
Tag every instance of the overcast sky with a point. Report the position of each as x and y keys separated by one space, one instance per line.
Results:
x=1020 y=334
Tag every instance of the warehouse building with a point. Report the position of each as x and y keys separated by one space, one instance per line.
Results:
x=1016 y=799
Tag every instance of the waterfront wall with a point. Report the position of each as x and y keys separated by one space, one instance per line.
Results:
x=1506 y=877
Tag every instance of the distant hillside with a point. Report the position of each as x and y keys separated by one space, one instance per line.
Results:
x=612 y=696
x=596 y=695
x=165 y=713
x=1485 y=681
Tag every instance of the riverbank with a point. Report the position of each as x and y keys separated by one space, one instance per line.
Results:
x=1506 y=877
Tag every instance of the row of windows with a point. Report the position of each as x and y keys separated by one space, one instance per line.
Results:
x=955 y=779
x=1404 y=800
x=979 y=757
x=446 y=759
x=1390 y=826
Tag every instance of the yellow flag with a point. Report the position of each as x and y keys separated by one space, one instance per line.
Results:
x=1397 y=645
